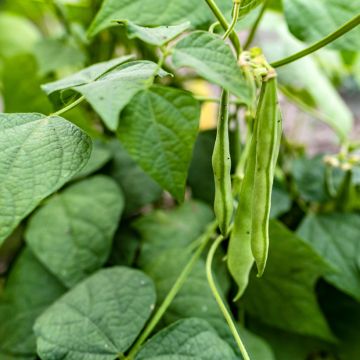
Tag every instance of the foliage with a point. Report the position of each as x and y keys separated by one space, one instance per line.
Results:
x=109 y=244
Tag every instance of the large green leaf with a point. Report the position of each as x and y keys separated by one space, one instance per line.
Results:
x=158 y=128
x=325 y=16
x=248 y=5
x=29 y=290
x=38 y=154
x=83 y=221
x=157 y=36
x=285 y=296
x=336 y=238
x=212 y=59
x=86 y=76
x=150 y=13
x=138 y=187
x=99 y=318
x=187 y=339
x=304 y=78
x=109 y=93
x=167 y=236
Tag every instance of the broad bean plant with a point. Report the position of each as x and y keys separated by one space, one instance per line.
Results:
x=152 y=205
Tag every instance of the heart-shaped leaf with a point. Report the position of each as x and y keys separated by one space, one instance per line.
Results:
x=158 y=128
x=83 y=221
x=99 y=318
x=38 y=154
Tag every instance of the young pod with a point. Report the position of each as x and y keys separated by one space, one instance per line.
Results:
x=240 y=258
x=268 y=135
x=221 y=162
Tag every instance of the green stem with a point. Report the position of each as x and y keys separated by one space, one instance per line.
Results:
x=219 y=299
x=355 y=21
x=256 y=25
x=234 y=20
x=173 y=291
x=68 y=107
x=225 y=25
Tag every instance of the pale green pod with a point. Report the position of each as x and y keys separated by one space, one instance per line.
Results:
x=221 y=162
x=268 y=140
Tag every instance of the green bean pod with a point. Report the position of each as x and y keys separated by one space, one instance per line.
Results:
x=268 y=135
x=221 y=162
x=240 y=258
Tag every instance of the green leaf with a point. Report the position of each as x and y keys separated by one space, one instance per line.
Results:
x=177 y=228
x=98 y=319
x=19 y=41
x=187 y=339
x=325 y=16
x=21 y=86
x=149 y=13
x=336 y=238
x=157 y=36
x=248 y=5
x=212 y=59
x=38 y=155
x=29 y=290
x=285 y=296
x=100 y=155
x=83 y=221
x=158 y=128
x=57 y=54
x=86 y=76
x=109 y=93
x=304 y=78
x=138 y=187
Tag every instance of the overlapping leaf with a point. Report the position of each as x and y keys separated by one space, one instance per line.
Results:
x=325 y=16
x=138 y=187
x=285 y=296
x=83 y=221
x=99 y=318
x=158 y=128
x=336 y=238
x=38 y=154
x=109 y=87
x=29 y=290
x=212 y=59
x=193 y=339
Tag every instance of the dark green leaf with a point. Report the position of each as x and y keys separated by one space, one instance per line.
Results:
x=336 y=238
x=177 y=228
x=83 y=221
x=211 y=58
x=29 y=290
x=285 y=296
x=99 y=318
x=38 y=154
x=186 y=339
x=158 y=128
x=139 y=188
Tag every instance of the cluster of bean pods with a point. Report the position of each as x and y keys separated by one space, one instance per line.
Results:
x=249 y=238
